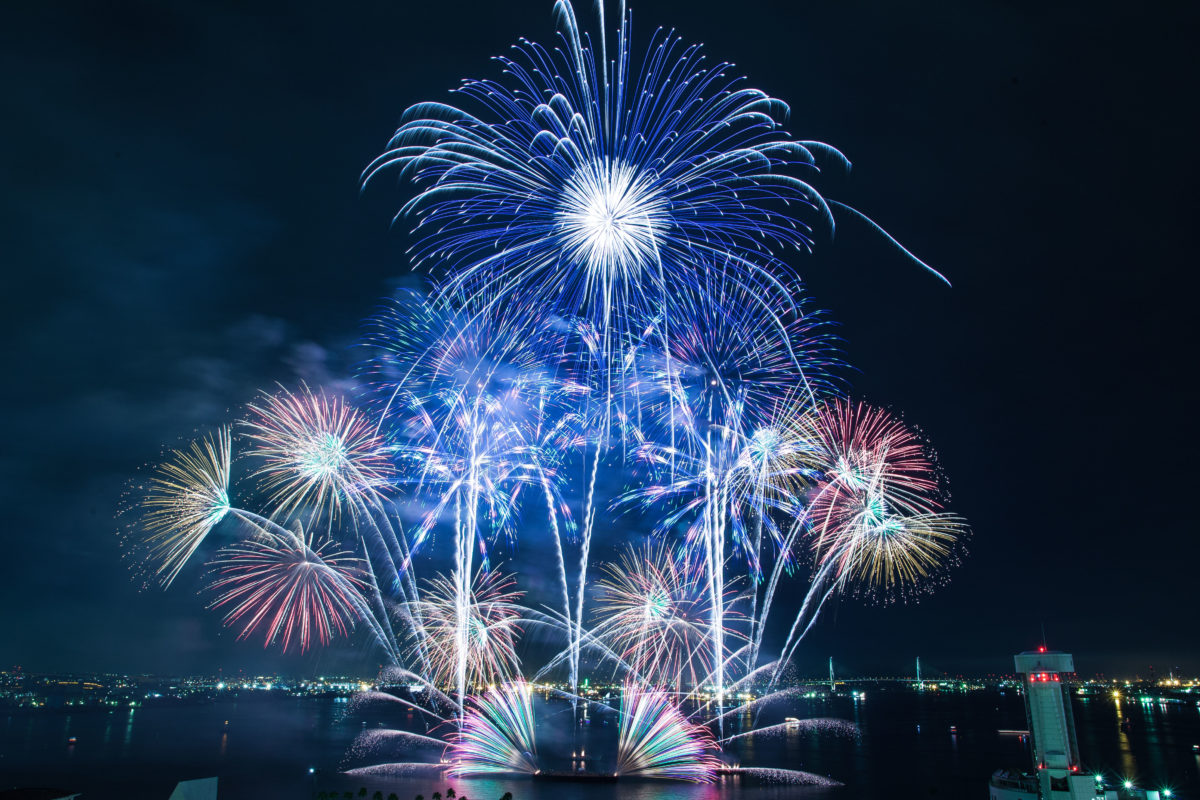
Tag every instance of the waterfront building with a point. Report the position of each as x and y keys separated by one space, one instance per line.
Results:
x=1057 y=773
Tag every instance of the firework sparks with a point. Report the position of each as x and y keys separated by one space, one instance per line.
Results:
x=895 y=552
x=652 y=610
x=291 y=590
x=875 y=514
x=593 y=186
x=496 y=734
x=488 y=637
x=317 y=451
x=187 y=496
x=656 y=741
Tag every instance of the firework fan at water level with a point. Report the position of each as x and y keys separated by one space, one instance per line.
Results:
x=290 y=589
x=487 y=637
x=497 y=733
x=317 y=452
x=875 y=514
x=656 y=741
x=186 y=497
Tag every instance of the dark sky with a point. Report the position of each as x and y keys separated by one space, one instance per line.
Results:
x=181 y=226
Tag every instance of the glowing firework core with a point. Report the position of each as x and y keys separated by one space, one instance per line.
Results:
x=323 y=457
x=611 y=218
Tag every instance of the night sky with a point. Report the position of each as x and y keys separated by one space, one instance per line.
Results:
x=182 y=226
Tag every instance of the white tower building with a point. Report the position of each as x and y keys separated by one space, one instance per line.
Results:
x=1052 y=725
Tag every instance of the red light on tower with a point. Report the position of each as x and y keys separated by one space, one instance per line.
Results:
x=1042 y=649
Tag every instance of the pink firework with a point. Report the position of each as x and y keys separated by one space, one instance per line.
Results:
x=290 y=590
x=653 y=610
x=875 y=513
x=317 y=452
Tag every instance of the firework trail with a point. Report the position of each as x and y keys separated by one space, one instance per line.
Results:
x=656 y=741
x=366 y=699
x=492 y=626
x=823 y=725
x=497 y=734
x=186 y=497
x=478 y=417
x=399 y=769
x=718 y=439
x=758 y=703
x=288 y=588
x=790 y=777
x=588 y=640
x=370 y=743
x=469 y=466
x=720 y=345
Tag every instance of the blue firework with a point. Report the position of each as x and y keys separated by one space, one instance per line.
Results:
x=597 y=185
x=474 y=405
x=723 y=347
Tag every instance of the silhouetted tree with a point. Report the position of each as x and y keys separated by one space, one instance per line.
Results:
x=377 y=796
x=450 y=793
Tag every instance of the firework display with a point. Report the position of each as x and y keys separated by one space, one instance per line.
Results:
x=611 y=341
x=187 y=496
x=657 y=741
x=651 y=609
x=292 y=589
x=316 y=452
x=497 y=733
x=488 y=636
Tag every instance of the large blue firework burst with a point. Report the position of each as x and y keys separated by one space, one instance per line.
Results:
x=598 y=185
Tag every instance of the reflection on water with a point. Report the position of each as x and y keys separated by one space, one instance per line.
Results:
x=128 y=733
x=905 y=750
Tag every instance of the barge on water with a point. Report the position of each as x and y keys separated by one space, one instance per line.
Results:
x=570 y=775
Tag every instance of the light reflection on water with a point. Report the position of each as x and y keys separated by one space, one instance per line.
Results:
x=269 y=745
